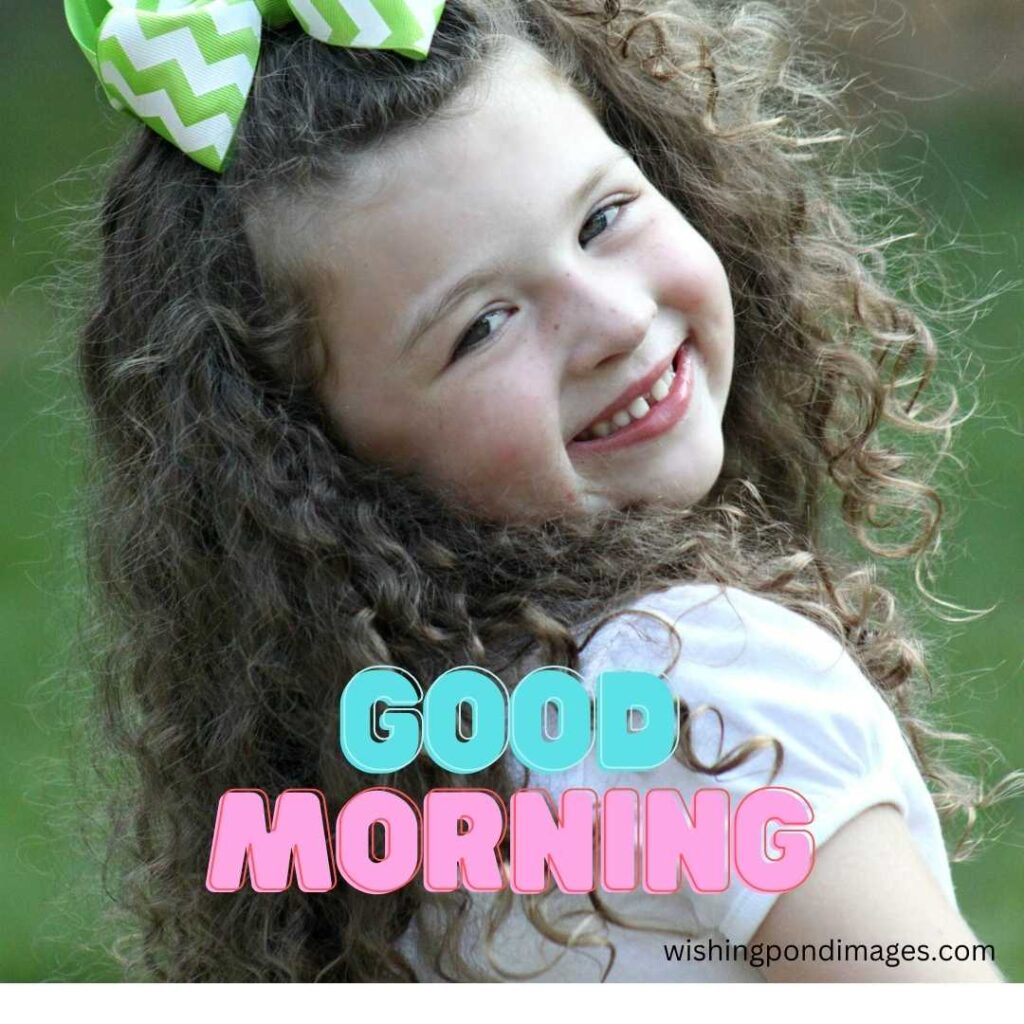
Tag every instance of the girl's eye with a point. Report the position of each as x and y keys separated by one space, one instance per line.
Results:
x=603 y=212
x=466 y=343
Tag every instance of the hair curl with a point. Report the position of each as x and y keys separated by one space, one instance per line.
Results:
x=245 y=563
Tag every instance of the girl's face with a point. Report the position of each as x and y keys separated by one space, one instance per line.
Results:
x=505 y=279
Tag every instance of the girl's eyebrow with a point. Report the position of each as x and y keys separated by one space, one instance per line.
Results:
x=478 y=278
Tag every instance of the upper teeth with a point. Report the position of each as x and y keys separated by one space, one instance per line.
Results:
x=636 y=409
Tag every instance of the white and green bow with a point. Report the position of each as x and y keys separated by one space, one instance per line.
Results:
x=185 y=67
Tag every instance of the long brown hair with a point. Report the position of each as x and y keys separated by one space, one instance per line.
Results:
x=245 y=564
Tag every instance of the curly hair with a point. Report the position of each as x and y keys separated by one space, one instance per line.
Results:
x=244 y=563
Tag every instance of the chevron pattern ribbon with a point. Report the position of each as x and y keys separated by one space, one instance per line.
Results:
x=185 y=67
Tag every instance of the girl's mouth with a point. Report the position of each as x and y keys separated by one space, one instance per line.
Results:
x=646 y=417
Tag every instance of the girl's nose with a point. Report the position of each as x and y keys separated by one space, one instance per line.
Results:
x=603 y=324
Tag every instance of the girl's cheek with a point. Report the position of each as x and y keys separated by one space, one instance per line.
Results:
x=507 y=463
x=696 y=280
x=512 y=472
x=687 y=267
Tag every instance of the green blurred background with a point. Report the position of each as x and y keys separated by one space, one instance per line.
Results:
x=940 y=83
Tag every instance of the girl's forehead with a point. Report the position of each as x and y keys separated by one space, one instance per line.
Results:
x=461 y=127
x=522 y=135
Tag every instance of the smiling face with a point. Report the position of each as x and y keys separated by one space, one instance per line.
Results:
x=585 y=284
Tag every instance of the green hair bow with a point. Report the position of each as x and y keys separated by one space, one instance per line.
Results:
x=185 y=67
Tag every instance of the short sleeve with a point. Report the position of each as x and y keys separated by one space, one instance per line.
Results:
x=768 y=672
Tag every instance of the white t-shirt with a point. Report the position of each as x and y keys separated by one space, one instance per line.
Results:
x=768 y=671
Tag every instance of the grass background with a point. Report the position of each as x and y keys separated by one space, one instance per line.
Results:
x=964 y=148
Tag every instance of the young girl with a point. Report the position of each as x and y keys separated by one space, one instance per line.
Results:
x=540 y=339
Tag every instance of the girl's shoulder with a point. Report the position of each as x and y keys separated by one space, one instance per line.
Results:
x=748 y=670
x=723 y=645
x=718 y=624
x=777 y=700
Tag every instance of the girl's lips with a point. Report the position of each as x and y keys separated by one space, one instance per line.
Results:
x=662 y=417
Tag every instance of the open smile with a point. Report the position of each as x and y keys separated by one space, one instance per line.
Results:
x=657 y=406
